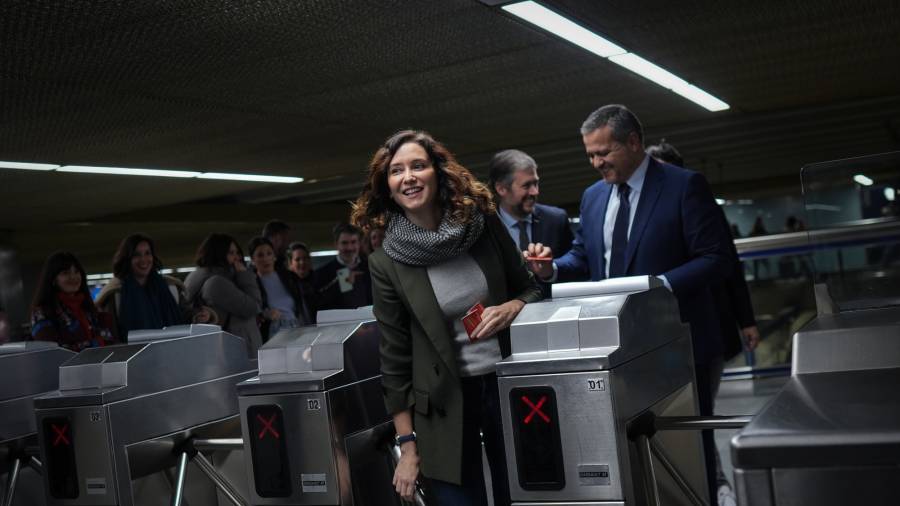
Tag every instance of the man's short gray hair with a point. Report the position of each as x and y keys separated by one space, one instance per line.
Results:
x=618 y=118
x=506 y=163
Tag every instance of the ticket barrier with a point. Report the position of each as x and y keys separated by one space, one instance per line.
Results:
x=832 y=435
x=27 y=370
x=585 y=367
x=314 y=419
x=121 y=411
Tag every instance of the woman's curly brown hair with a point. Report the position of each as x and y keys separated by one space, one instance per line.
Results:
x=458 y=190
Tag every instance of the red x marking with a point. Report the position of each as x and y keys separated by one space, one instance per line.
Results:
x=60 y=434
x=268 y=426
x=535 y=409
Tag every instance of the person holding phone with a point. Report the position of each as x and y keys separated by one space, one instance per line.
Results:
x=344 y=282
x=445 y=251
x=223 y=283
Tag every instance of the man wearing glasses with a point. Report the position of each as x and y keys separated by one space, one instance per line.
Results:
x=649 y=218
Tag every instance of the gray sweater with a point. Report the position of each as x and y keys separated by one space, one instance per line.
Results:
x=458 y=285
x=235 y=298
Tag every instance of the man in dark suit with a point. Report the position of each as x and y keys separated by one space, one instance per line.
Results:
x=345 y=282
x=515 y=183
x=647 y=217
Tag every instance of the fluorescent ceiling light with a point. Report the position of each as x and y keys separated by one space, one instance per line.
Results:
x=28 y=166
x=890 y=194
x=649 y=70
x=325 y=253
x=250 y=177
x=863 y=180
x=127 y=172
x=554 y=23
x=701 y=98
x=721 y=202
x=543 y=17
x=185 y=269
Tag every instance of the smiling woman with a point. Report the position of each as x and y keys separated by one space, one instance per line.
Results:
x=139 y=297
x=445 y=257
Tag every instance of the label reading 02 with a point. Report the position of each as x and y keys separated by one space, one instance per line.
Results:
x=313 y=405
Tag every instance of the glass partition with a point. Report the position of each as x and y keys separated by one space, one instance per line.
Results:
x=846 y=236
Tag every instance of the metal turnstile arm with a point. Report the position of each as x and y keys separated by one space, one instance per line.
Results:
x=220 y=481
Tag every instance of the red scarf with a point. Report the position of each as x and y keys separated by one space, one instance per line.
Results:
x=74 y=302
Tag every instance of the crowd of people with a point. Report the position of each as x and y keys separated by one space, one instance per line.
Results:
x=426 y=243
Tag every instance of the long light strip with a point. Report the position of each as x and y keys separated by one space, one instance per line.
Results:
x=123 y=171
x=28 y=166
x=83 y=169
x=250 y=177
x=543 y=17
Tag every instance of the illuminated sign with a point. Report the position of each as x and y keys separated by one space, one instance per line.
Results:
x=271 y=473
x=536 y=434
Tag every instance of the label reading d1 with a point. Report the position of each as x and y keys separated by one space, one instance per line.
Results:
x=313 y=483
x=596 y=385
x=592 y=475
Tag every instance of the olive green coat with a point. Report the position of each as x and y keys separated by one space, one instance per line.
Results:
x=418 y=361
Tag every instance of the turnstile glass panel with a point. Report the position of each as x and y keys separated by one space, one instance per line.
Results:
x=536 y=434
x=60 y=450
x=272 y=475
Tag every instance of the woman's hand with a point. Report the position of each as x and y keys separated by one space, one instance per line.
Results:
x=407 y=471
x=239 y=265
x=497 y=318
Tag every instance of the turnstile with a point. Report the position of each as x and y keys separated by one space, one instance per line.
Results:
x=832 y=435
x=314 y=420
x=582 y=368
x=121 y=411
x=27 y=370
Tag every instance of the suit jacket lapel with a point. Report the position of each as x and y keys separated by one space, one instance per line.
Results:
x=653 y=184
x=419 y=293
x=537 y=235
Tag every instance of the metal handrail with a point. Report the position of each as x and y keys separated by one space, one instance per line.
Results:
x=852 y=233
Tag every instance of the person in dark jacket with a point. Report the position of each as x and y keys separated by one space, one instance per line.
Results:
x=300 y=263
x=344 y=283
x=139 y=297
x=444 y=251
x=62 y=309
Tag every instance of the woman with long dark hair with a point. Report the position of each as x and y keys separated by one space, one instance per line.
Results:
x=445 y=251
x=223 y=283
x=62 y=309
x=282 y=301
x=139 y=297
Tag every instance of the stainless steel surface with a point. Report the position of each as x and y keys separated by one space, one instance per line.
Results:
x=605 y=362
x=800 y=242
x=611 y=286
x=657 y=450
x=836 y=421
x=178 y=495
x=12 y=480
x=234 y=443
x=701 y=422
x=317 y=401
x=850 y=340
x=344 y=315
x=583 y=334
x=27 y=370
x=195 y=329
x=124 y=406
x=646 y=460
x=317 y=357
x=221 y=483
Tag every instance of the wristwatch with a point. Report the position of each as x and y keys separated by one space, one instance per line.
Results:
x=399 y=440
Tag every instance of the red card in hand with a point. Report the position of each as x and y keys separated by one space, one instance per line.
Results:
x=472 y=319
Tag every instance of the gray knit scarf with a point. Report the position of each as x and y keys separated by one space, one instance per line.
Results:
x=407 y=243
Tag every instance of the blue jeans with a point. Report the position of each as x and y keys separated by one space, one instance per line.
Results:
x=481 y=422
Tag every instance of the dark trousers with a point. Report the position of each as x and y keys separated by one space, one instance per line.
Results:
x=481 y=422
x=706 y=399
